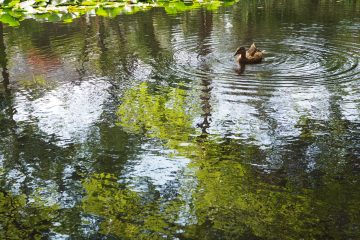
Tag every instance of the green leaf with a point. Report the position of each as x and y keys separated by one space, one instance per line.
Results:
x=101 y=12
x=8 y=19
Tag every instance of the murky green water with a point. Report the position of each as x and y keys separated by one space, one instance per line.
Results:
x=143 y=127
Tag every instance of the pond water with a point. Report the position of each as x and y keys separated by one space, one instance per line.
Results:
x=143 y=126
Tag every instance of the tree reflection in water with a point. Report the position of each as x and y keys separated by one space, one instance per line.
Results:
x=140 y=127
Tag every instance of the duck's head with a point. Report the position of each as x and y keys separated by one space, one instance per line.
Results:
x=240 y=50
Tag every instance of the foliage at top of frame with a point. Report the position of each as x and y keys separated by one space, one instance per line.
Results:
x=12 y=12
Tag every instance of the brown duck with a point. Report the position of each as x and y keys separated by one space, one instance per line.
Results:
x=251 y=56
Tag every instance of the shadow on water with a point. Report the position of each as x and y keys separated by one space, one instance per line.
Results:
x=144 y=127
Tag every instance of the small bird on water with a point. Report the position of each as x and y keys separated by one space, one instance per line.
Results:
x=251 y=56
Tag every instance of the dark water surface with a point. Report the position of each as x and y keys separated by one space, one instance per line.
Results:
x=143 y=127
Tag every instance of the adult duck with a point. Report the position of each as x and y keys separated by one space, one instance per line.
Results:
x=251 y=56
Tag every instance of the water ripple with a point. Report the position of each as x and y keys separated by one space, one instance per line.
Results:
x=295 y=61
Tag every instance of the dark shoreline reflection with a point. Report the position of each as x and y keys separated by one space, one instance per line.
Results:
x=139 y=127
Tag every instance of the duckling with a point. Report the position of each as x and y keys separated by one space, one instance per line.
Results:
x=251 y=56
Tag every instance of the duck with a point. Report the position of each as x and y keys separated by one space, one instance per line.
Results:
x=251 y=56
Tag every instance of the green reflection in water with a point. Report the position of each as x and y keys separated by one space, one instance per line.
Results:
x=124 y=213
x=232 y=199
x=25 y=217
x=164 y=115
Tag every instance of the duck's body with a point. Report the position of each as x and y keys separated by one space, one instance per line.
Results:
x=251 y=56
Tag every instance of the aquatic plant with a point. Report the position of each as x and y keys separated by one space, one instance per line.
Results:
x=12 y=12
